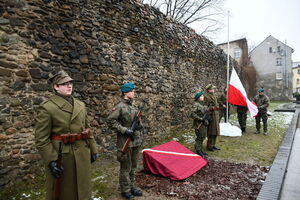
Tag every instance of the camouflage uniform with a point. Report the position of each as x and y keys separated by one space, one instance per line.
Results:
x=213 y=129
x=242 y=117
x=262 y=102
x=120 y=120
x=199 y=124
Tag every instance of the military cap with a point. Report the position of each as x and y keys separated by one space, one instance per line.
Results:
x=127 y=87
x=260 y=90
x=210 y=87
x=60 y=78
x=197 y=95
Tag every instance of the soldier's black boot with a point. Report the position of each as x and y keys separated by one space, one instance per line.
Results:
x=127 y=195
x=216 y=148
x=243 y=130
x=136 y=192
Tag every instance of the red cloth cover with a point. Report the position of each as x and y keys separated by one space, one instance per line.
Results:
x=168 y=164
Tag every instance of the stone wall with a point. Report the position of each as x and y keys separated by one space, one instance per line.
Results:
x=101 y=44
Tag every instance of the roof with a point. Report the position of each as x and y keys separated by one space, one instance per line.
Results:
x=266 y=39
x=232 y=41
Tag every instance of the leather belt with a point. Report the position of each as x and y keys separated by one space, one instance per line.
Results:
x=72 y=137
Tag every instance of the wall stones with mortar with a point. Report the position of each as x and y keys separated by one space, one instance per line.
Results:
x=101 y=44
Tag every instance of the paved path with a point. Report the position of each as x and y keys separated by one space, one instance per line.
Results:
x=291 y=184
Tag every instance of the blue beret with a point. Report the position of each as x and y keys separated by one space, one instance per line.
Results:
x=127 y=87
x=261 y=90
x=197 y=95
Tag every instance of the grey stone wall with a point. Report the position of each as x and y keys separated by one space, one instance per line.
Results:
x=101 y=44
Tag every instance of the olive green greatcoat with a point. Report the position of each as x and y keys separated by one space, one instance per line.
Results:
x=120 y=120
x=57 y=116
x=210 y=100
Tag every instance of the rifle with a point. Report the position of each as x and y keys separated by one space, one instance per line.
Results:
x=133 y=127
x=205 y=116
x=57 y=181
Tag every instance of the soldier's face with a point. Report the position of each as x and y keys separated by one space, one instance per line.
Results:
x=130 y=95
x=65 y=89
x=211 y=90
x=201 y=98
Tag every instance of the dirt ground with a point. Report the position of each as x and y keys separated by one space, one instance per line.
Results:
x=218 y=180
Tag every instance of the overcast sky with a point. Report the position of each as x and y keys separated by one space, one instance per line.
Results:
x=257 y=19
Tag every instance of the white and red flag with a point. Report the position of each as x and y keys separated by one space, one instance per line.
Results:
x=237 y=94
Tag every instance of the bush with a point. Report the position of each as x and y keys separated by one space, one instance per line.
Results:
x=297 y=96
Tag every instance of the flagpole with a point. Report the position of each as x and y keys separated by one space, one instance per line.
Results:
x=227 y=80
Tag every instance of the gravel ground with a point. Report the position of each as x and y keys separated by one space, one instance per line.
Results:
x=218 y=180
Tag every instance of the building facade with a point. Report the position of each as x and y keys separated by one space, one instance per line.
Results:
x=296 y=77
x=272 y=60
x=238 y=50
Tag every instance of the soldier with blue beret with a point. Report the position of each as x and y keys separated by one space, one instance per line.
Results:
x=262 y=102
x=200 y=122
x=120 y=120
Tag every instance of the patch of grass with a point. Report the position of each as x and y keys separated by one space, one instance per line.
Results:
x=30 y=189
x=249 y=148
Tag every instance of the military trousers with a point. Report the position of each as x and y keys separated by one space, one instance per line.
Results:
x=200 y=137
x=211 y=141
x=222 y=113
x=128 y=165
x=242 y=118
x=264 y=118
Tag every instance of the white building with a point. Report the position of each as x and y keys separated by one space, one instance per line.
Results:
x=272 y=60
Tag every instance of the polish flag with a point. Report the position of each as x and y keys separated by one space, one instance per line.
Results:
x=237 y=94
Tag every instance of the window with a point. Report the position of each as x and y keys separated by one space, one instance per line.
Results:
x=278 y=76
x=278 y=49
x=237 y=52
x=298 y=71
x=270 y=50
x=278 y=61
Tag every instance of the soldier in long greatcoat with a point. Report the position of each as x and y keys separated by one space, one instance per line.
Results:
x=57 y=118
x=120 y=120
x=213 y=129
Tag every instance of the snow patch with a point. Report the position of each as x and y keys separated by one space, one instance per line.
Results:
x=226 y=129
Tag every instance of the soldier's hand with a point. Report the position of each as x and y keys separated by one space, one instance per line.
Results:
x=93 y=157
x=130 y=133
x=55 y=170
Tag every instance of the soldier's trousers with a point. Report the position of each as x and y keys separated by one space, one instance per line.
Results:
x=222 y=113
x=242 y=118
x=211 y=141
x=264 y=118
x=128 y=164
x=200 y=137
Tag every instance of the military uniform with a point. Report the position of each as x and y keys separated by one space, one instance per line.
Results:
x=200 y=124
x=213 y=129
x=120 y=120
x=222 y=111
x=262 y=102
x=57 y=116
x=242 y=117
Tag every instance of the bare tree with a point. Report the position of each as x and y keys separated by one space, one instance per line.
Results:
x=205 y=13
